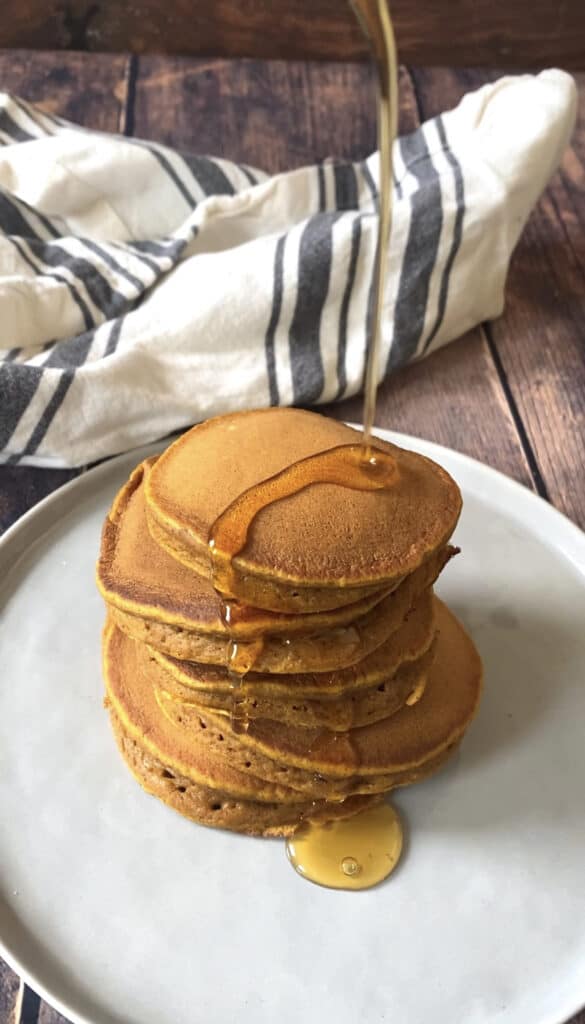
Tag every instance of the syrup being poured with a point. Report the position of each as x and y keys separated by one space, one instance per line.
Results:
x=362 y=851
x=359 y=852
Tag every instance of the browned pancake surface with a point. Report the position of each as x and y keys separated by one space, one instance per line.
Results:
x=140 y=578
x=215 y=809
x=324 y=535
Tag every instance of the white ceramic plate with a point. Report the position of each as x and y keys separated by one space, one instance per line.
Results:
x=116 y=909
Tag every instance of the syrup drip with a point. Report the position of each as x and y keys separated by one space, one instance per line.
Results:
x=345 y=465
x=360 y=852
x=353 y=854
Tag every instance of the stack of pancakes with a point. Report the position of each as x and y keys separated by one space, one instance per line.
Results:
x=358 y=679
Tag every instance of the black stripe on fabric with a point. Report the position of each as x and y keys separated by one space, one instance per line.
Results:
x=170 y=171
x=322 y=188
x=209 y=175
x=113 y=264
x=314 y=271
x=172 y=249
x=17 y=387
x=145 y=260
x=71 y=352
x=356 y=234
x=50 y=412
x=346 y=190
x=114 y=336
x=424 y=232
x=248 y=173
x=12 y=129
x=110 y=301
x=13 y=222
x=457 y=231
x=369 y=179
x=78 y=300
x=274 y=318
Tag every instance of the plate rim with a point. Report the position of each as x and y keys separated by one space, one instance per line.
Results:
x=572 y=548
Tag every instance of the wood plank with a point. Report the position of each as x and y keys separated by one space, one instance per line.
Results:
x=524 y=34
x=271 y=114
x=91 y=89
x=539 y=342
x=47 y=1015
x=9 y=995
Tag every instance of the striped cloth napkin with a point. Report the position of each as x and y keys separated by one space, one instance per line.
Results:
x=142 y=289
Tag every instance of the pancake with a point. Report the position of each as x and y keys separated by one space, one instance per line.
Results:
x=407 y=739
x=317 y=548
x=185 y=705
x=138 y=577
x=213 y=756
x=412 y=638
x=220 y=810
x=320 y=764
x=319 y=652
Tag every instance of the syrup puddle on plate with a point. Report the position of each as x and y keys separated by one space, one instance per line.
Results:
x=357 y=853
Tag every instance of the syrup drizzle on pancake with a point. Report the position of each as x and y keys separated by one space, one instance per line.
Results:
x=361 y=852
x=318 y=852
x=346 y=466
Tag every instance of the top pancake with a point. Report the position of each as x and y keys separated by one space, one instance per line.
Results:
x=316 y=548
x=138 y=577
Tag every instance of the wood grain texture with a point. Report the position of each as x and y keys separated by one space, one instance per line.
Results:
x=90 y=89
x=9 y=995
x=521 y=33
x=271 y=114
x=539 y=342
x=47 y=1015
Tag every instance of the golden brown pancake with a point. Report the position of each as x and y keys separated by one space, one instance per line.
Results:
x=406 y=739
x=316 y=548
x=321 y=651
x=221 y=810
x=407 y=643
x=137 y=576
x=341 y=714
x=213 y=756
x=317 y=763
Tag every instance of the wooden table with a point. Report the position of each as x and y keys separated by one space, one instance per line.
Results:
x=511 y=393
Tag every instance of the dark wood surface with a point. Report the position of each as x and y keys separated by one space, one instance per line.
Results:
x=456 y=33
x=511 y=393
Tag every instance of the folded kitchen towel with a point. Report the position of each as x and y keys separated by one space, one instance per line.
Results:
x=143 y=289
